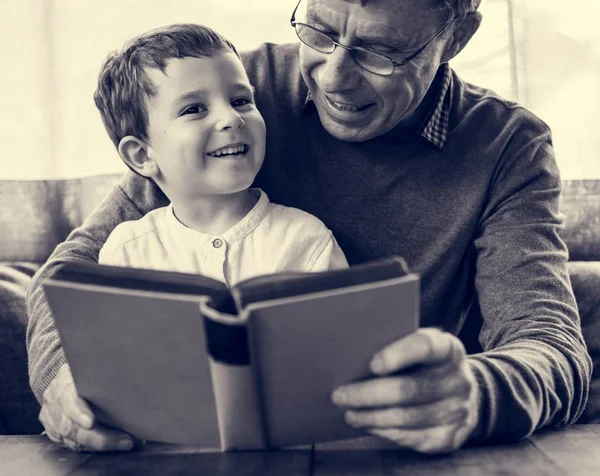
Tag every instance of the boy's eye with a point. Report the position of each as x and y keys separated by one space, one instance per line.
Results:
x=239 y=102
x=193 y=109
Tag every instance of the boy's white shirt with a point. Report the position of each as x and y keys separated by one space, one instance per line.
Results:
x=271 y=238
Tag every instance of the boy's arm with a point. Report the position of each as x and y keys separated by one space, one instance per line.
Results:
x=129 y=200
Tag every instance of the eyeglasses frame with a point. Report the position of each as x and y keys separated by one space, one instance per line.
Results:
x=395 y=64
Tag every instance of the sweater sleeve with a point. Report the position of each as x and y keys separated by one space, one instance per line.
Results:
x=45 y=353
x=534 y=370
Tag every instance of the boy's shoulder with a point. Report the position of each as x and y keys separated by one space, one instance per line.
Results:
x=296 y=223
x=146 y=227
x=297 y=240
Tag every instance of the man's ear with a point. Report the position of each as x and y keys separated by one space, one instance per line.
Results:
x=137 y=154
x=462 y=35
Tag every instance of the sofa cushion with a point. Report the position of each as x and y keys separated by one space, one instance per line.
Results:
x=585 y=277
x=580 y=203
x=18 y=407
x=41 y=213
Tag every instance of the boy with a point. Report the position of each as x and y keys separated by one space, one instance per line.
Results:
x=178 y=105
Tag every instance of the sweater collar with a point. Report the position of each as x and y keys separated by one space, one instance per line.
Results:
x=435 y=125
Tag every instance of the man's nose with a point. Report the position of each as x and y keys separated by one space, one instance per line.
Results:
x=228 y=119
x=338 y=72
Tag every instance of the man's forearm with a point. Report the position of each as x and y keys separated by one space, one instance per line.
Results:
x=43 y=344
x=530 y=384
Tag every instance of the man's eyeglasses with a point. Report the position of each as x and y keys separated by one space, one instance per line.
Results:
x=369 y=60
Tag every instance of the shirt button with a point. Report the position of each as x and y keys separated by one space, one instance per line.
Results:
x=217 y=242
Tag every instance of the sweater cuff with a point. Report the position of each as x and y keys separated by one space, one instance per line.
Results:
x=483 y=429
x=42 y=379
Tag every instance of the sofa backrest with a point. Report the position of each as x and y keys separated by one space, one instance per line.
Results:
x=36 y=215
x=580 y=203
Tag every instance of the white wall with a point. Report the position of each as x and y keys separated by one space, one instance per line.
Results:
x=52 y=51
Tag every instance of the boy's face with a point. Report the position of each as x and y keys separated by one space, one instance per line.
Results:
x=205 y=134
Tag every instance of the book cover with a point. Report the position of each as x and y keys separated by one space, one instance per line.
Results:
x=179 y=358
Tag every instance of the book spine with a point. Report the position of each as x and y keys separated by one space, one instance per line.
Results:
x=235 y=390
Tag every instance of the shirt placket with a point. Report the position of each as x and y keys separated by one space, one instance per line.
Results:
x=217 y=254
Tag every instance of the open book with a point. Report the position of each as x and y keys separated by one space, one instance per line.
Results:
x=181 y=358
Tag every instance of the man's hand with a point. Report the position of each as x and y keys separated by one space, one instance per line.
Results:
x=69 y=421
x=425 y=396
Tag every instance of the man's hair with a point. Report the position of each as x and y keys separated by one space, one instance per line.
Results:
x=461 y=7
x=124 y=86
x=456 y=7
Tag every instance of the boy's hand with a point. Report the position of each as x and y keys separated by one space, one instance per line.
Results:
x=69 y=421
x=425 y=398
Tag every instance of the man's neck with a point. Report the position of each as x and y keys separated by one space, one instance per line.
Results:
x=214 y=214
x=417 y=119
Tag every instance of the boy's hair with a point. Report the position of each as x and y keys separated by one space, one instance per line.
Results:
x=124 y=86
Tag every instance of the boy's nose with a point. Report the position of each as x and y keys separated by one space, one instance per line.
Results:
x=230 y=119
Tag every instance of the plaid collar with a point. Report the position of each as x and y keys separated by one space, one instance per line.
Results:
x=435 y=126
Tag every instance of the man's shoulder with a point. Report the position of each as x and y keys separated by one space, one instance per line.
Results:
x=273 y=69
x=490 y=111
x=269 y=53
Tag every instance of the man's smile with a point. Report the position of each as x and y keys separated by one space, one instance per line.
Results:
x=346 y=112
x=344 y=106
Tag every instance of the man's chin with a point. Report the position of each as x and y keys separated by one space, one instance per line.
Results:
x=351 y=129
x=348 y=133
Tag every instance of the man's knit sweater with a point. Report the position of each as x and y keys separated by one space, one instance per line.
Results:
x=478 y=219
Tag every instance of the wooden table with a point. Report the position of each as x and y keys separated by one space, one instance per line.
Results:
x=574 y=451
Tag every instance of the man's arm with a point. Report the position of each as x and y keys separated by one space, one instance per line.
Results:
x=535 y=369
x=129 y=200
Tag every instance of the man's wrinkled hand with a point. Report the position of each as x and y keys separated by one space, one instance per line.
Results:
x=68 y=420
x=424 y=397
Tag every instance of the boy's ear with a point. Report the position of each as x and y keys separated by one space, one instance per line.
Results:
x=462 y=34
x=137 y=154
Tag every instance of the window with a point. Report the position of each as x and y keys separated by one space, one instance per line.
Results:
x=545 y=55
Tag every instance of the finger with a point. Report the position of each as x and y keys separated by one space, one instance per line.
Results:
x=72 y=445
x=74 y=406
x=100 y=438
x=417 y=388
x=61 y=397
x=444 y=412
x=97 y=438
x=426 y=346
x=440 y=439
x=46 y=423
x=78 y=410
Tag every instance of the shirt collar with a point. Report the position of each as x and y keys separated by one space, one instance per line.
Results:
x=435 y=126
x=235 y=233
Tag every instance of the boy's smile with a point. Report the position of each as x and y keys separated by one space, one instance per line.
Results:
x=205 y=135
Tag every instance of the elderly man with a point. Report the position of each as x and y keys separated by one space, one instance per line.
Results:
x=370 y=130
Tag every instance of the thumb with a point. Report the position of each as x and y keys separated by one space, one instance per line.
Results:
x=425 y=346
x=82 y=414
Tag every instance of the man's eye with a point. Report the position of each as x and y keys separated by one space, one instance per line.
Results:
x=193 y=109
x=239 y=102
x=382 y=49
x=331 y=34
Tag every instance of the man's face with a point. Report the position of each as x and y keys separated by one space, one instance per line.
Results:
x=354 y=104
x=205 y=133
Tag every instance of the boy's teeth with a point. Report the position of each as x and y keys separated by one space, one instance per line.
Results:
x=228 y=151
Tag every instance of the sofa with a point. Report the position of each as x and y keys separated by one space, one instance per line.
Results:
x=36 y=215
